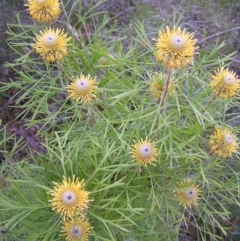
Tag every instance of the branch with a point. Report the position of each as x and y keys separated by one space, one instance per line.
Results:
x=218 y=34
x=159 y=9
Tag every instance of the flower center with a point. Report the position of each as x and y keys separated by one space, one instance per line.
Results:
x=82 y=85
x=177 y=42
x=76 y=231
x=50 y=40
x=228 y=140
x=229 y=80
x=41 y=1
x=68 y=197
x=145 y=151
x=190 y=193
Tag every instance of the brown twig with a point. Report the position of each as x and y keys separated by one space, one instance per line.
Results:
x=218 y=34
x=230 y=229
x=209 y=103
x=161 y=103
x=159 y=9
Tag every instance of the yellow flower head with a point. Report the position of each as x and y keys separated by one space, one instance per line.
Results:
x=76 y=229
x=83 y=89
x=51 y=44
x=69 y=198
x=187 y=194
x=223 y=142
x=43 y=10
x=144 y=152
x=175 y=48
x=158 y=84
x=225 y=83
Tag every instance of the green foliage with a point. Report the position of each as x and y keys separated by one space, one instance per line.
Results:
x=93 y=142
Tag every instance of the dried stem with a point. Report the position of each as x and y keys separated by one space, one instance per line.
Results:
x=209 y=103
x=217 y=34
x=161 y=102
x=159 y=9
x=229 y=231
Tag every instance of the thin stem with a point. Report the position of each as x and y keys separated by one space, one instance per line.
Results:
x=209 y=103
x=159 y=9
x=59 y=67
x=166 y=88
x=229 y=231
x=218 y=34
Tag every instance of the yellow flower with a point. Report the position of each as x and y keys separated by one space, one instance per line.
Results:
x=51 y=44
x=175 y=48
x=69 y=198
x=76 y=230
x=43 y=10
x=223 y=142
x=158 y=84
x=83 y=88
x=225 y=83
x=144 y=152
x=187 y=194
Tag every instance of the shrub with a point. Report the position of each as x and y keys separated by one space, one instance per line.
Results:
x=110 y=159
